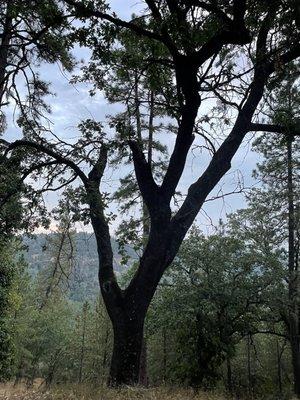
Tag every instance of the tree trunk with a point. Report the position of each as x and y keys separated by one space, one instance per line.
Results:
x=279 y=373
x=250 y=388
x=293 y=274
x=143 y=375
x=229 y=376
x=127 y=350
x=164 y=356
x=295 y=346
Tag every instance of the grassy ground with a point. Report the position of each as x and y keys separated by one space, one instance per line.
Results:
x=8 y=392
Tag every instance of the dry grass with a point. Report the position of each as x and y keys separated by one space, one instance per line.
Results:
x=8 y=392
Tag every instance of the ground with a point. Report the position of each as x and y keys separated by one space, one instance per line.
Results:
x=9 y=392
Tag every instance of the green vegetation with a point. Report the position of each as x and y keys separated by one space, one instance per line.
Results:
x=83 y=392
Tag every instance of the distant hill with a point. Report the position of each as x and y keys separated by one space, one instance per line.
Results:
x=84 y=278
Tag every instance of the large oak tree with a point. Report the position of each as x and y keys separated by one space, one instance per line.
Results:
x=225 y=50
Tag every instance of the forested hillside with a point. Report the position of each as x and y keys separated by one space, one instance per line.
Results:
x=83 y=281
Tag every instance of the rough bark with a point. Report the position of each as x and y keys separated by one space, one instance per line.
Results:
x=279 y=352
x=229 y=376
x=143 y=372
x=293 y=275
x=125 y=363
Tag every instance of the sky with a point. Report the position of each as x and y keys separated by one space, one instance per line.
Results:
x=72 y=103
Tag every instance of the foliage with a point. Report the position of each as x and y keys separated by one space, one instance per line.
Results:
x=11 y=267
x=213 y=294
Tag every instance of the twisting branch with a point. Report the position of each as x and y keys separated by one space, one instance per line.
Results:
x=153 y=8
x=89 y=11
x=50 y=152
x=108 y=282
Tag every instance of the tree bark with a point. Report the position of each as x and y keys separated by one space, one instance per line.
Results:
x=293 y=274
x=143 y=374
x=127 y=312
x=279 y=372
x=229 y=376
x=164 y=356
x=250 y=387
x=127 y=349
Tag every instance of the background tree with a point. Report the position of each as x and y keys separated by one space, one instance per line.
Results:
x=273 y=212
x=212 y=297
x=10 y=269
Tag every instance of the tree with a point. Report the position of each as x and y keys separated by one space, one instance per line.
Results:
x=286 y=110
x=42 y=325
x=10 y=269
x=275 y=207
x=211 y=298
x=201 y=45
x=31 y=33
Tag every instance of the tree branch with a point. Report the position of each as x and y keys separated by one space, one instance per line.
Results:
x=88 y=11
x=153 y=8
x=148 y=187
x=256 y=127
x=98 y=170
x=210 y=8
x=221 y=161
x=50 y=152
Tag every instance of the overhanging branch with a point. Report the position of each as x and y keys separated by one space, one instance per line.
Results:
x=88 y=11
x=50 y=152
